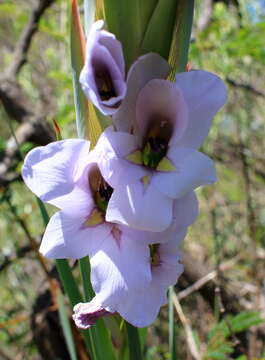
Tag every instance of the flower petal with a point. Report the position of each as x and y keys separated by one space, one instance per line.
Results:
x=161 y=101
x=104 y=64
x=144 y=69
x=110 y=42
x=111 y=152
x=49 y=170
x=86 y=314
x=66 y=237
x=185 y=210
x=120 y=265
x=205 y=94
x=141 y=207
x=193 y=169
x=142 y=306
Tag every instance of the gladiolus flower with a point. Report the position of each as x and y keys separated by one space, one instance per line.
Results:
x=103 y=76
x=140 y=307
x=66 y=175
x=160 y=161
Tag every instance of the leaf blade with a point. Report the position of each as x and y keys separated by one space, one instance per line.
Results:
x=162 y=21
x=66 y=326
x=87 y=123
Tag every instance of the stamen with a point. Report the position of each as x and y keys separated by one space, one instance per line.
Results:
x=154 y=254
x=100 y=189
x=105 y=86
x=156 y=142
x=154 y=150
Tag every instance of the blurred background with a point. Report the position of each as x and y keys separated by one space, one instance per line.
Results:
x=221 y=295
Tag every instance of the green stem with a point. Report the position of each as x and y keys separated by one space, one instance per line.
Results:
x=172 y=329
x=84 y=265
x=99 y=333
x=133 y=342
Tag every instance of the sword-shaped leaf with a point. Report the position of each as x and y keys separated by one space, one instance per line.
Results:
x=158 y=35
x=89 y=12
x=87 y=123
x=181 y=39
x=129 y=21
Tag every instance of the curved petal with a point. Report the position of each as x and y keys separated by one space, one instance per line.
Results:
x=185 y=210
x=162 y=102
x=100 y=60
x=120 y=266
x=49 y=170
x=142 y=306
x=109 y=41
x=111 y=152
x=67 y=237
x=104 y=63
x=141 y=207
x=193 y=170
x=86 y=314
x=144 y=69
x=204 y=94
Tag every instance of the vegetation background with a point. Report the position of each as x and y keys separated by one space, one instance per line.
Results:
x=220 y=303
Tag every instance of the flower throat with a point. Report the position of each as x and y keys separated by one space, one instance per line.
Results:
x=156 y=143
x=101 y=190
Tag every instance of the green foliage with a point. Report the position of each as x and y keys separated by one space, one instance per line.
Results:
x=77 y=61
x=159 y=32
x=66 y=326
x=220 y=343
x=142 y=26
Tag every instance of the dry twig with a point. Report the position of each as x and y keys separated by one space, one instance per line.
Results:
x=188 y=330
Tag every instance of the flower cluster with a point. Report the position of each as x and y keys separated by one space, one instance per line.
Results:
x=128 y=202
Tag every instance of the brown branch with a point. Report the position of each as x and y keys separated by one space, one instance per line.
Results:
x=4 y=356
x=208 y=277
x=23 y=45
x=20 y=253
x=247 y=87
x=187 y=327
x=38 y=131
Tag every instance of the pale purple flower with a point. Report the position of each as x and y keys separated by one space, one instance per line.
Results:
x=159 y=162
x=103 y=76
x=140 y=306
x=66 y=175
x=86 y=314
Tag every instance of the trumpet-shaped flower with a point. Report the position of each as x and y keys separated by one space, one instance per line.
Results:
x=63 y=174
x=159 y=162
x=140 y=307
x=66 y=175
x=103 y=76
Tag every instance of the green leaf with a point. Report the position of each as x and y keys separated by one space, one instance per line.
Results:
x=87 y=123
x=84 y=265
x=133 y=342
x=171 y=324
x=66 y=326
x=77 y=45
x=181 y=40
x=124 y=20
x=158 y=36
x=90 y=11
x=101 y=338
